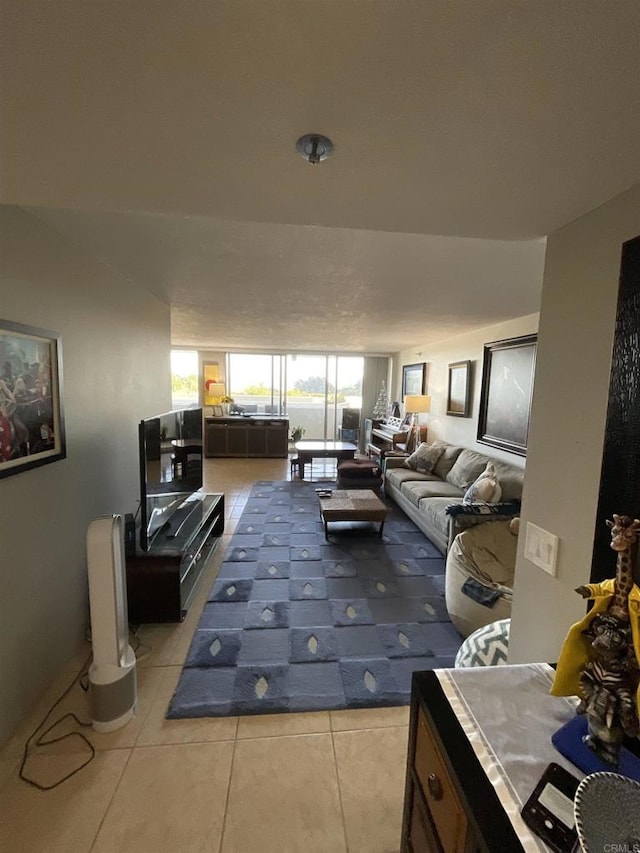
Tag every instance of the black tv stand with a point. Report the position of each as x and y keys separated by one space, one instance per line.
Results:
x=161 y=582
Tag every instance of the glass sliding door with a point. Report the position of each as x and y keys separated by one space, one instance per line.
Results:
x=313 y=391
x=348 y=397
x=319 y=388
x=306 y=393
x=254 y=382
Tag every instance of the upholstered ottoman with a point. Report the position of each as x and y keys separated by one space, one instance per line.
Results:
x=488 y=646
x=479 y=575
x=359 y=474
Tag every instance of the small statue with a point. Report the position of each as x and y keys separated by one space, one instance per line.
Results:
x=608 y=684
x=602 y=652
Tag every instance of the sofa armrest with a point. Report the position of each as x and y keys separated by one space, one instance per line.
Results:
x=393 y=460
x=462 y=516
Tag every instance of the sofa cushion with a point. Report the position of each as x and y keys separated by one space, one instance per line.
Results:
x=485 y=488
x=511 y=480
x=468 y=466
x=424 y=458
x=416 y=490
x=447 y=459
x=435 y=513
x=397 y=476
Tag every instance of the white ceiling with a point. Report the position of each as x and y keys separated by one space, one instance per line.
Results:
x=161 y=137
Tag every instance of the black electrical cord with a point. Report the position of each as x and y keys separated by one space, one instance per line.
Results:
x=41 y=741
x=82 y=680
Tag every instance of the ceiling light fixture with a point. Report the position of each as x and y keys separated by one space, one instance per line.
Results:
x=314 y=147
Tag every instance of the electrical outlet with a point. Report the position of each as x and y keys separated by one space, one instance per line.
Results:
x=541 y=548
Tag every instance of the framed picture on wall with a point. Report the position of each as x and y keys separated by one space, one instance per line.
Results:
x=459 y=389
x=507 y=387
x=413 y=379
x=213 y=387
x=31 y=413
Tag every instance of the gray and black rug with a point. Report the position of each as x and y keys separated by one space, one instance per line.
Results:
x=298 y=623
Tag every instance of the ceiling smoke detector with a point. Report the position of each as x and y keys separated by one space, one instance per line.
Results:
x=314 y=147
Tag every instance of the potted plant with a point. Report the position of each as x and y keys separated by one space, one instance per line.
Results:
x=226 y=401
x=297 y=433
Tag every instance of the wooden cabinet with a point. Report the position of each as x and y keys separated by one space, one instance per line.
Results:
x=450 y=805
x=252 y=437
x=278 y=439
x=257 y=441
x=436 y=786
x=215 y=438
x=238 y=439
x=161 y=582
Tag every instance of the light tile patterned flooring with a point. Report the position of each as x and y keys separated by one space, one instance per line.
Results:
x=323 y=782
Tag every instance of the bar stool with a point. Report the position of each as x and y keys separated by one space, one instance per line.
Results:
x=295 y=466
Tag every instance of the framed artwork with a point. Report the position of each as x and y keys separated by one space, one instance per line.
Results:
x=211 y=383
x=413 y=376
x=507 y=386
x=459 y=389
x=217 y=411
x=31 y=413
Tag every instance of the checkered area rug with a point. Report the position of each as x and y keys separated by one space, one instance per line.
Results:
x=298 y=623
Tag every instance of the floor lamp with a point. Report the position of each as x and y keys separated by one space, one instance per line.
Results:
x=415 y=404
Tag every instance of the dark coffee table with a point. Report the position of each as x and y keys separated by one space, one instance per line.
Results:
x=308 y=450
x=352 y=505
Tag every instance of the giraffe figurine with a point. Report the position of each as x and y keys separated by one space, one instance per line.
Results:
x=624 y=538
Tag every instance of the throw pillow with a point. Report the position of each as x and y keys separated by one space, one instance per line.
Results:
x=424 y=458
x=486 y=488
x=467 y=468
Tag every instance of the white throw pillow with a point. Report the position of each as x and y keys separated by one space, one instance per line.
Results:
x=486 y=488
x=424 y=457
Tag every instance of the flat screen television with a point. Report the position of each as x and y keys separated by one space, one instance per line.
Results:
x=170 y=468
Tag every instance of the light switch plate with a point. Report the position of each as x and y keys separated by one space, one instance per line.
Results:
x=541 y=548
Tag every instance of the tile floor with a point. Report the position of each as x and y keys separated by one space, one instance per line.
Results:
x=292 y=783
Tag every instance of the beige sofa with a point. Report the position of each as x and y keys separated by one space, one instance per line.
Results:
x=428 y=498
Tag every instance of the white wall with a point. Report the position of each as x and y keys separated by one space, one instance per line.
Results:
x=461 y=431
x=115 y=341
x=575 y=341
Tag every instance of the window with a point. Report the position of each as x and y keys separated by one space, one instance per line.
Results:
x=184 y=379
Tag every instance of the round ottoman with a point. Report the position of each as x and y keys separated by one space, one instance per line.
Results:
x=359 y=474
x=487 y=646
x=479 y=575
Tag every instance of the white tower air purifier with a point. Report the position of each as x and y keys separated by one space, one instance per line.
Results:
x=112 y=675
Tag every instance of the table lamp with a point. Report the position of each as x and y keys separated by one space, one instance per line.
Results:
x=215 y=389
x=415 y=404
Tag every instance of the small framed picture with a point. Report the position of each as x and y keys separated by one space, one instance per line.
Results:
x=217 y=411
x=413 y=377
x=459 y=392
